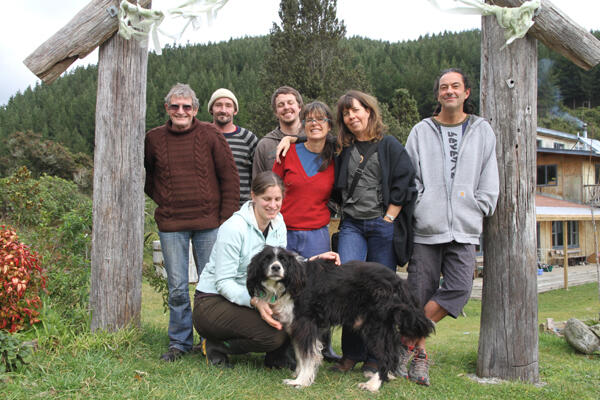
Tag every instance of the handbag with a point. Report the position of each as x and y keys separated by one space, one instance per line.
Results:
x=335 y=237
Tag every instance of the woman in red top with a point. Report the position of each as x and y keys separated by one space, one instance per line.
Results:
x=307 y=173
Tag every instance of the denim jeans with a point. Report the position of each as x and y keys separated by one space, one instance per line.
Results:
x=367 y=240
x=175 y=248
x=309 y=243
x=364 y=240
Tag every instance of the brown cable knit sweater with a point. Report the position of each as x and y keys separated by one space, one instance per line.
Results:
x=192 y=177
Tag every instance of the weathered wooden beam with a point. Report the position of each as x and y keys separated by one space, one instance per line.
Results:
x=118 y=206
x=508 y=339
x=561 y=34
x=88 y=29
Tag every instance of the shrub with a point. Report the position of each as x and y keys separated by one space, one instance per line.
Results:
x=34 y=202
x=13 y=352
x=22 y=280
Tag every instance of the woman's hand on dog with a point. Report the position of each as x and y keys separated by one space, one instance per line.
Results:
x=266 y=313
x=329 y=255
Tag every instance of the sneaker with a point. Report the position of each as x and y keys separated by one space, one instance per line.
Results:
x=419 y=368
x=172 y=355
x=403 y=358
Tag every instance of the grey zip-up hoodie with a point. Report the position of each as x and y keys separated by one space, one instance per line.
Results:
x=445 y=213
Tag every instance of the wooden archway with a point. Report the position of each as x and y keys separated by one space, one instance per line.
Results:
x=508 y=346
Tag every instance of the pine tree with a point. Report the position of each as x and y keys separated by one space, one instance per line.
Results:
x=306 y=53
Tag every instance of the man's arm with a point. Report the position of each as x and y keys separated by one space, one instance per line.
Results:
x=488 y=189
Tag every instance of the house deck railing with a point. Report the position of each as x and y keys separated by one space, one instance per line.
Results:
x=591 y=195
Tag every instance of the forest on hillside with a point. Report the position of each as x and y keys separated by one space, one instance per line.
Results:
x=47 y=120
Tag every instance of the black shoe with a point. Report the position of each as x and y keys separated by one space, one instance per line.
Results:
x=330 y=355
x=172 y=355
x=327 y=352
x=281 y=358
x=216 y=353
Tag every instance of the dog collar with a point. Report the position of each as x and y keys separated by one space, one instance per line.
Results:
x=272 y=300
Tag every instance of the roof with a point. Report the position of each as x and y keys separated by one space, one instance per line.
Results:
x=552 y=209
x=552 y=132
x=586 y=153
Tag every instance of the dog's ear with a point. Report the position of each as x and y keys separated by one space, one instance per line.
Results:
x=411 y=322
x=295 y=272
x=255 y=272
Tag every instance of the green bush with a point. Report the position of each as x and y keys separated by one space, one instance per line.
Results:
x=36 y=202
x=67 y=260
x=13 y=352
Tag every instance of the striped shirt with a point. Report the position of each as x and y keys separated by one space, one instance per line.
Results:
x=243 y=144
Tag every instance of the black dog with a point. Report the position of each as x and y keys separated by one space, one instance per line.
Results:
x=311 y=296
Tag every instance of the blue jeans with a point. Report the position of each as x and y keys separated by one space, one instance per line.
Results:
x=309 y=243
x=364 y=240
x=175 y=248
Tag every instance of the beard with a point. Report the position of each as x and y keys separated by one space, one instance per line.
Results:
x=223 y=120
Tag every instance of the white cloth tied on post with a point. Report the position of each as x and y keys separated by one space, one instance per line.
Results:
x=515 y=21
x=139 y=23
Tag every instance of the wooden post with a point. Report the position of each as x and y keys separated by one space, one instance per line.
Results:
x=118 y=210
x=508 y=340
x=566 y=254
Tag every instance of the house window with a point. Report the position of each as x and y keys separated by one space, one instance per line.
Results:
x=572 y=234
x=547 y=175
x=597 y=174
x=538 y=143
x=559 y=145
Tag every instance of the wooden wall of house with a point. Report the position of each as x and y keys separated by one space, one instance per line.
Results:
x=569 y=170
x=586 y=239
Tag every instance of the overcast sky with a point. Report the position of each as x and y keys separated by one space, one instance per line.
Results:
x=26 y=24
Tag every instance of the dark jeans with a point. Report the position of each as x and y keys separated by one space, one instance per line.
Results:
x=364 y=240
x=218 y=319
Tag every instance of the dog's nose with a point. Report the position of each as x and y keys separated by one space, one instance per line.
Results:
x=275 y=268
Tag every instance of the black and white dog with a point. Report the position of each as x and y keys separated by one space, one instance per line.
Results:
x=311 y=296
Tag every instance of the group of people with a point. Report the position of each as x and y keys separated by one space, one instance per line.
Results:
x=231 y=194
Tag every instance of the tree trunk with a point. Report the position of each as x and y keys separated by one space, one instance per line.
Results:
x=508 y=341
x=118 y=211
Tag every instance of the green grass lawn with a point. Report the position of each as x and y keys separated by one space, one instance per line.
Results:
x=125 y=365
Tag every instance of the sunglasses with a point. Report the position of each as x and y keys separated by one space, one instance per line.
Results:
x=175 y=107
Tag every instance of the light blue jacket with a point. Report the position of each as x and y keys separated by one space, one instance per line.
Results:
x=445 y=213
x=238 y=240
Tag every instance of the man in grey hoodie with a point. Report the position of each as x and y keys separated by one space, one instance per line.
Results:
x=287 y=104
x=454 y=154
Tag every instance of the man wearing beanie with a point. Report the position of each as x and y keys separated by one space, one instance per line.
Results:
x=223 y=105
x=191 y=176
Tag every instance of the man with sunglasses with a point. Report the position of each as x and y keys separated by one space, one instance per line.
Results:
x=192 y=177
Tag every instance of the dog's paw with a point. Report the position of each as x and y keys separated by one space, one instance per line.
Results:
x=294 y=382
x=372 y=385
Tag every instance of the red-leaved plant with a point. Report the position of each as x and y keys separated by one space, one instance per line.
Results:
x=21 y=281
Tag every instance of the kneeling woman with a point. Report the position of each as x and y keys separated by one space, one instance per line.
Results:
x=224 y=313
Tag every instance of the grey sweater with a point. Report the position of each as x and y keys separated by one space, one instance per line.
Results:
x=446 y=212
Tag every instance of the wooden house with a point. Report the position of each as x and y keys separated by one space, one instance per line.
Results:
x=568 y=194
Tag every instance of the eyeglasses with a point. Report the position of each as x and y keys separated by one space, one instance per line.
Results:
x=319 y=120
x=176 y=107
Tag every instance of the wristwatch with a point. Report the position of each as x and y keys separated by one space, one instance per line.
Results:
x=390 y=217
